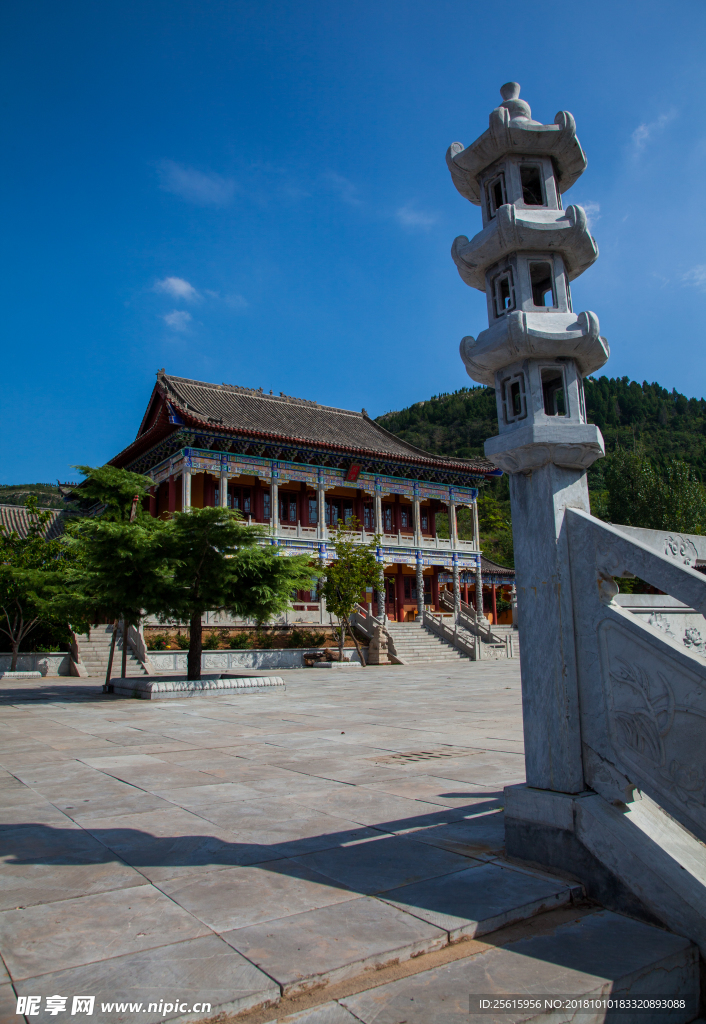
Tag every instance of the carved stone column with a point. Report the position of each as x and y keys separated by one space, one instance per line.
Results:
x=381 y=592
x=535 y=354
x=185 y=489
x=420 y=586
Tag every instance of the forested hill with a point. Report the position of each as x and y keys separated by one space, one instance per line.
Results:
x=665 y=423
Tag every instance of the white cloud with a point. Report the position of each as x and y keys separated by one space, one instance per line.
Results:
x=205 y=189
x=177 y=287
x=178 y=319
x=345 y=188
x=696 y=277
x=645 y=131
x=409 y=217
x=236 y=301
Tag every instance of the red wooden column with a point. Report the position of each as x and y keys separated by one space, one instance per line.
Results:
x=172 y=499
x=399 y=587
x=435 y=589
x=495 y=610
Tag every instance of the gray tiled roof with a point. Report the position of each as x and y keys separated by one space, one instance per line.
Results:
x=247 y=411
x=490 y=568
x=15 y=518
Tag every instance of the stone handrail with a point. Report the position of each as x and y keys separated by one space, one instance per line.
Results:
x=642 y=692
x=468 y=619
x=136 y=642
x=366 y=622
x=471 y=646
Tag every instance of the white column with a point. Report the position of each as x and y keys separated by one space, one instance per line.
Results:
x=378 y=514
x=476 y=528
x=417 y=522
x=453 y=526
x=321 y=511
x=479 y=593
x=223 y=488
x=185 y=489
x=274 y=507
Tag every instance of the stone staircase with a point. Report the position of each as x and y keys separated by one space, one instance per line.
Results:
x=414 y=644
x=95 y=650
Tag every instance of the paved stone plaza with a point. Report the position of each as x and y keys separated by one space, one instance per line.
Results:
x=277 y=850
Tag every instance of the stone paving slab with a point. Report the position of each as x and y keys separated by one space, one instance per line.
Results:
x=243 y=896
x=195 y=971
x=385 y=862
x=41 y=865
x=8 y=1005
x=602 y=954
x=474 y=836
x=480 y=899
x=328 y=945
x=55 y=936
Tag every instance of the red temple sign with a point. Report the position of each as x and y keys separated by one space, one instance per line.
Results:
x=353 y=473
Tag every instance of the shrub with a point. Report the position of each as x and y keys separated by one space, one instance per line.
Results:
x=263 y=641
x=212 y=641
x=156 y=642
x=316 y=639
x=182 y=641
x=239 y=641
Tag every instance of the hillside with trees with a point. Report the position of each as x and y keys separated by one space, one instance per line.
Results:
x=47 y=495
x=655 y=447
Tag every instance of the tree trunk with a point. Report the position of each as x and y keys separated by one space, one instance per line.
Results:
x=123 y=670
x=357 y=645
x=15 y=649
x=341 y=638
x=110 y=656
x=193 y=665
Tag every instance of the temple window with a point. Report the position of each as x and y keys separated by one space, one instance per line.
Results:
x=531 y=180
x=542 y=281
x=553 y=392
x=504 y=292
x=495 y=194
x=406 y=517
x=424 y=517
x=514 y=399
x=287 y=508
x=313 y=512
x=387 y=518
x=368 y=517
x=239 y=498
x=267 y=511
x=347 y=514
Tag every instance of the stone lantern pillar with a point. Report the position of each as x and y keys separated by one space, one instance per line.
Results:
x=535 y=353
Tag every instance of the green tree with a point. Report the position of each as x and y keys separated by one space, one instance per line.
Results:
x=219 y=562
x=668 y=497
x=118 y=562
x=354 y=569
x=118 y=492
x=31 y=580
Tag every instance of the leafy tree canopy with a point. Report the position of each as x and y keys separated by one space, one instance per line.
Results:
x=114 y=489
x=32 y=581
x=216 y=562
x=354 y=569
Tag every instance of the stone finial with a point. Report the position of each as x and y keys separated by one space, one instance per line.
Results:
x=516 y=107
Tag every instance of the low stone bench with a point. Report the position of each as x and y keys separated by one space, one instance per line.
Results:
x=152 y=688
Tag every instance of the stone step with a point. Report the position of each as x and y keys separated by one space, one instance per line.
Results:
x=599 y=955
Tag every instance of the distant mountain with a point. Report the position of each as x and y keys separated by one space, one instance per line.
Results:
x=665 y=423
x=47 y=495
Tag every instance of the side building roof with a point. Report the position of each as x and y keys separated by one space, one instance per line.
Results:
x=230 y=409
x=15 y=519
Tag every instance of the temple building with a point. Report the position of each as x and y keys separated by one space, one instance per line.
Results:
x=299 y=468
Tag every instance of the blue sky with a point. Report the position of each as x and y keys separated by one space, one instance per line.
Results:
x=256 y=193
